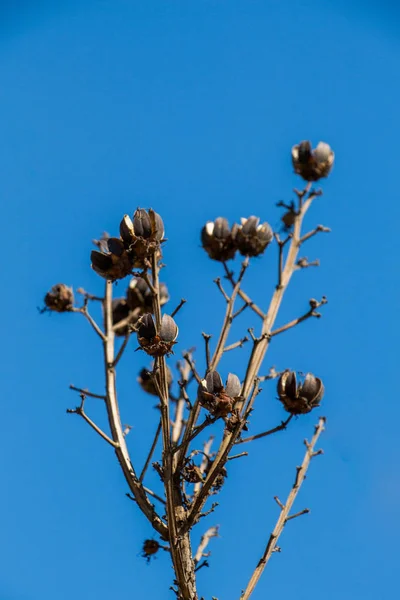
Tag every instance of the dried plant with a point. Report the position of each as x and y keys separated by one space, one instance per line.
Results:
x=190 y=474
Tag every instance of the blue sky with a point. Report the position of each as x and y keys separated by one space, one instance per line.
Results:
x=192 y=108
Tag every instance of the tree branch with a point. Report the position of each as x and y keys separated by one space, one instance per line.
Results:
x=284 y=517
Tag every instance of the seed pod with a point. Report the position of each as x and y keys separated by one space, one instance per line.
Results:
x=299 y=397
x=60 y=298
x=311 y=164
x=157 y=344
x=217 y=239
x=146 y=382
x=113 y=266
x=216 y=398
x=252 y=238
x=126 y=231
x=150 y=547
x=191 y=473
x=120 y=312
x=139 y=294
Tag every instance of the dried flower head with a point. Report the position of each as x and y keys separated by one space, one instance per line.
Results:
x=219 y=480
x=217 y=398
x=252 y=237
x=150 y=547
x=60 y=298
x=218 y=239
x=191 y=473
x=141 y=235
x=114 y=264
x=299 y=397
x=146 y=381
x=311 y=164
x=161 y=343
x=121 y=312
x=139 y=295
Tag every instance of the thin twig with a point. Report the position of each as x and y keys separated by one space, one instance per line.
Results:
x=84 y=311
x=178 y=308
x=310 y=234
x=248 y=301
x=238 y=344
x=79 y=410
x=122 y=348
x=280 y=427
x=221 y=289
x=219 y=350
x=205 y=539
x=207 y=338
x=86 y=392
x=151 y=452
x=310 y=313
x=285 y=513
x=238 y=455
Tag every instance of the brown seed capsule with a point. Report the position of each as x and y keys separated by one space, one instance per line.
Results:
x=299 y=397
x=191 y=473
x=60 y=298
x=218 y=239
x=121 y=312
x=157 y=344
x=146 y=382
x=311 y=164
x=219 y=480
x=140 y=296
x=150 y=547
x=115 y=265
x=252 y=238
x=216 y=398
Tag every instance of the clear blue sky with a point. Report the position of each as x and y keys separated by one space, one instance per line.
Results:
x=192 y=108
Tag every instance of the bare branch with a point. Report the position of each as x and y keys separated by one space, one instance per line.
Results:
x=207 y=338
x=285 y=510
x=310 y=234
x=151 y=451
x=122 y=348
x=86 y=392
x=205 y=539
x=280 y=427
x=238 y=344
x=84 y=311
x=79 y=410
x=178 y=308
x=248 y=301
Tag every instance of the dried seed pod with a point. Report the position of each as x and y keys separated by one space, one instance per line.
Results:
x=126 y=231
x=252 y=238
x=219 y=480
x=191 y=473
x=146 y=382
x=141 y=235
x=150 y=547
x=299 y=397
x=113 y=266
x=288 y=219
x=311 y=164
x=60 y=298
x=218 y=239
x=157 y=344
x=139 y=294
x=122 y=312
x=216 y=398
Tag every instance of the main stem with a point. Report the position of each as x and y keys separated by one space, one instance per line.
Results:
x=114 y=419
x=181 y=551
